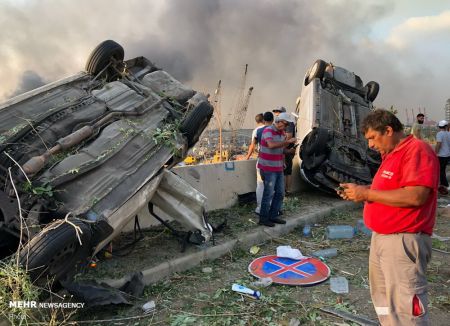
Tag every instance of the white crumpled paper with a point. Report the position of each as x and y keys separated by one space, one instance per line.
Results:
x=289 y=252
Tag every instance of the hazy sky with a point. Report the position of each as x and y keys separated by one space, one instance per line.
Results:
x=403 y=45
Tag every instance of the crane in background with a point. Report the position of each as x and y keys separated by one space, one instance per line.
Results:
x=238 y=112
x=217 y=122
x=236 y=119
x=239 y=98
x=239 y=118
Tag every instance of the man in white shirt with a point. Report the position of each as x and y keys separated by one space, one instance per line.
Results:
x=442 y=150
x=259 y=119
x=260 y=123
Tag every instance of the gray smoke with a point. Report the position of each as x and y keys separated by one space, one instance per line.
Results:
x=29 y=81
x=202 y=41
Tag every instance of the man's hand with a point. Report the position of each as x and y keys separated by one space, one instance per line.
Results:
x=289 y=150
x=411 y=196
x=291 y=141
x=284 y=143
x=353 y=192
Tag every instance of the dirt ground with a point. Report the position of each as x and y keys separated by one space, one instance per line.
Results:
x=196 y=297
x=147 y=252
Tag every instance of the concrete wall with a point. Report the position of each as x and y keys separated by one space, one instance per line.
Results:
x=220 y=183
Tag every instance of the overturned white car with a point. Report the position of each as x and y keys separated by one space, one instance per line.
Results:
x=81 y=156
x=332 y=105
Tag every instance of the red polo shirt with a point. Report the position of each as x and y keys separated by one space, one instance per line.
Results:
x=412 y=163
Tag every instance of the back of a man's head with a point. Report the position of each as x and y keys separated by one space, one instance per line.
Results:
x=259 y=118
x=379 y=120
x=268 y=116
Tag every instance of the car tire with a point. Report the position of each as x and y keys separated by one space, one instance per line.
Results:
x=372 y=90
x=56 y=252
x=313 y=161
x=101 y=56
x=313 y=150
x=317 y=71
x=196 y=121
x=316 y=141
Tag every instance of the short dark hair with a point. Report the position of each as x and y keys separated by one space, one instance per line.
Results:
x=420 y=115
x=380 y=119
x=268 y=116
x=259 y=118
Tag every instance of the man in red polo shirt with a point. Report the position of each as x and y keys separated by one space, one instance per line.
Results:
x=400 y=207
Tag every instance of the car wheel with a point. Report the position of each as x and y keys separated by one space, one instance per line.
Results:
x=101 y=57
x=196 y=121
x=317 y=71
x=56 y=252
x=372 y=90
x=313 y=161
x=313 y=150
x=316 y=141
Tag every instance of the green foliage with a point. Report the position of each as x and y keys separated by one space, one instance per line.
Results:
x=184 y=320
x=167 y=136
x=58 y=157
x=126 y=132
x=437 y=244
x=314 y=316
x=13 y=131
x=44 y=190
x=220 y=292
x=15 y=285
x=292 y=204
x=442 y=300
x=345 y=306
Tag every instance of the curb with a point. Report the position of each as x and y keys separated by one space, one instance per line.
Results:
x=165 y=269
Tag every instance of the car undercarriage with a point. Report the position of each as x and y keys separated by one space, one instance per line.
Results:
x=81 y=156
x=332 y=105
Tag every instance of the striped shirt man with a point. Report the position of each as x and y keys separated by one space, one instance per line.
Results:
x=271 y=159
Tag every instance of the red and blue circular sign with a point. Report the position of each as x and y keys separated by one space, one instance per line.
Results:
x=307 y=271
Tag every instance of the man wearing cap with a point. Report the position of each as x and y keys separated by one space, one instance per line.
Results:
x=270 y=164
x=289 y=153
x=442 y=150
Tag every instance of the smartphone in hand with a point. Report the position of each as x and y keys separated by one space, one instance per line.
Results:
x=339 y=190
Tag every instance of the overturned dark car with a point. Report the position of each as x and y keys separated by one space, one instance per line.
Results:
x=332 y=105
x=80 y=157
